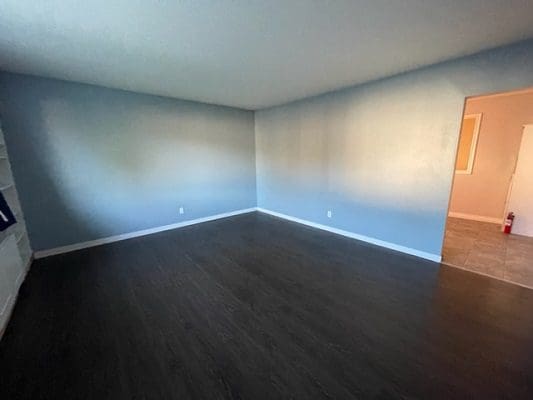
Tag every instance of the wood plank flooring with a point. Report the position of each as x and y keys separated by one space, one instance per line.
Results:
x=254 y=307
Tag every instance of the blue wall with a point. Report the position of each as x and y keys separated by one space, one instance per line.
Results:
x=91 y=162
x=380 y=155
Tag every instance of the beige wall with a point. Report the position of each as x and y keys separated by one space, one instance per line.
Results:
x=483 y=193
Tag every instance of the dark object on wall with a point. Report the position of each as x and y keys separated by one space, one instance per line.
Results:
x=6 y=215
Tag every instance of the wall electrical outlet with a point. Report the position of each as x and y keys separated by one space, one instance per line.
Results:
x=329 y=213
x=181 y=210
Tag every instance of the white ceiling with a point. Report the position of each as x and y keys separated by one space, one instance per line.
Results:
x=247 y=53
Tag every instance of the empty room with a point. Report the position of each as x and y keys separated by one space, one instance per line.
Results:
x=266 y=200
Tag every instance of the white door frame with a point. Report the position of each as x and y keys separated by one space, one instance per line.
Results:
x=509 y=192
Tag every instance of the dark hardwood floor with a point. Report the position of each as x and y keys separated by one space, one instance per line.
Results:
x=253 y=307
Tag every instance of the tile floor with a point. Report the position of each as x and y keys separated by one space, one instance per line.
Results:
x=482 y=247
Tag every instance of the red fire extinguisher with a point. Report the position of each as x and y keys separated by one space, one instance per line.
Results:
x=508 y=223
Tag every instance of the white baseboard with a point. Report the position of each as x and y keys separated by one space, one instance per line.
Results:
x=473 y=217
x=116 y=238
x=111 y=239
x=382 y=243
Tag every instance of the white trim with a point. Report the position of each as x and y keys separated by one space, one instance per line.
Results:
x=111 y=239
x=116 y=238
x=12 y=299
x=473 y=145
x=377 y=242
x=19 y=279
x=472 y=217
x=8 y=301
x=5 y=314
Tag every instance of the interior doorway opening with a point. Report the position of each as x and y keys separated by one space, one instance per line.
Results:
x=493 y=177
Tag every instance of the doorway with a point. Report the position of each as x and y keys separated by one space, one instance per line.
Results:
x=493 y=176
